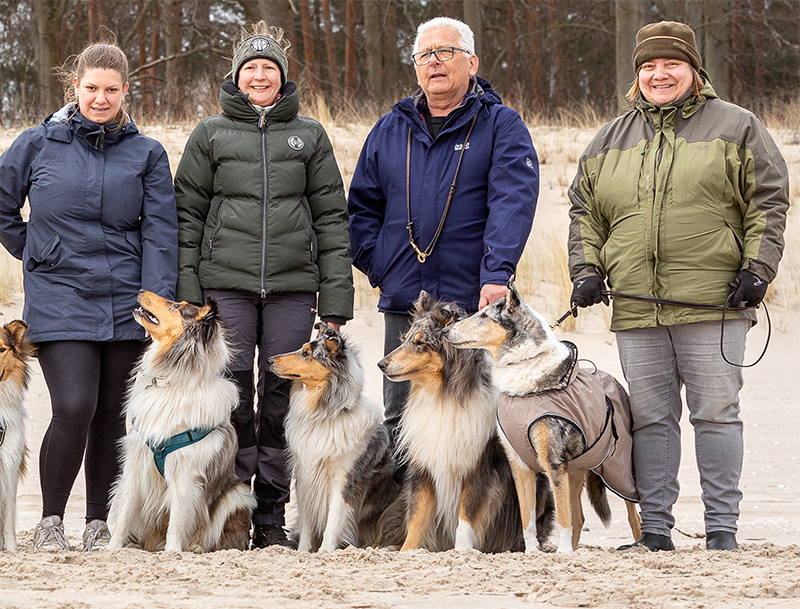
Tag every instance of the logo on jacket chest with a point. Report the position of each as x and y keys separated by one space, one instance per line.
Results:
x=458 y=147
x=296 y=142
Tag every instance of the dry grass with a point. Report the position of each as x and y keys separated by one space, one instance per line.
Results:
x=542 y=274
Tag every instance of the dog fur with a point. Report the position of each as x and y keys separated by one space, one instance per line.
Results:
x=339 y=450
x=459 y=490
x=199 y=504
x=15 y=351
x=529 y=358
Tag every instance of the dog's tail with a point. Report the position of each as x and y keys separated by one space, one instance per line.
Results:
x=598 y=497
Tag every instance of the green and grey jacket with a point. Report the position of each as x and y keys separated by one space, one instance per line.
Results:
x=672 y=202
x=261 y=206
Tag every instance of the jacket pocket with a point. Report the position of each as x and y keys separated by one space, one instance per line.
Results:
x=212 y=232
x=40 y=256
x=312 y=236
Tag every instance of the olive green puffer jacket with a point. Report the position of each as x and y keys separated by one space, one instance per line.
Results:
x=672 y=202
x=261 y=207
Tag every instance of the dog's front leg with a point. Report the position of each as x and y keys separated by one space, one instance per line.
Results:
x=561 y=495
x=185 y=510
x=525 y=482
x=8 y=513
x=421 y=510
x=337 y=512
x=634 y=520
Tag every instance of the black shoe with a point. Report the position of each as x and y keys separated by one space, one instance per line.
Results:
x=650 y=541
x=265 y=535
x=721 y=540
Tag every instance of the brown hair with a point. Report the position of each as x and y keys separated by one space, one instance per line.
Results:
x=101 y=55
x=697 y=85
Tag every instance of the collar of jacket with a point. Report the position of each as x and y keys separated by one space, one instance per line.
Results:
x=479 y=91
x=688 y=103
x=235 y=104
x=67 y=122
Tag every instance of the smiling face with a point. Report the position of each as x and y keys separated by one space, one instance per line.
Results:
x=100 y=93
x=261 y=80
x=662 y=81
x=444 y=82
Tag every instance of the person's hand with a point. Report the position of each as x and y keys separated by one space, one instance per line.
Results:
x=491 y=292
x=588 y=291
x=748 y=289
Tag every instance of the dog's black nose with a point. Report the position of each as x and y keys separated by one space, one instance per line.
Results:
x=445 y=330
x=271 y=360
x=382 y=364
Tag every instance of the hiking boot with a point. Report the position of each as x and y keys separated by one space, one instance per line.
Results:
x=96 y=536
x=721 y=540
x=49 y=535
x=650 y=541
x=265 y=535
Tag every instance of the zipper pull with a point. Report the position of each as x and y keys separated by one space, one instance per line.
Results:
x=261 y=120
x=263 y=293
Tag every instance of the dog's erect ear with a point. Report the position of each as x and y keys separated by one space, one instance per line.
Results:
x=210 y=310
x=511 y=280
x=424 y=302
x=17 y=330
x=512 y=299
x=450 y=314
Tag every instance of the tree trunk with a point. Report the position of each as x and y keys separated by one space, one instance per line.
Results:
x=716 y=44
x=330 y=48
x=308 y=47
x=630 y=17
x=536 y=73
x=350 y=66
x=473 y=17
x=556 y=93
x=392 y=72
x=47 y=45
x=174 y=39
x=373 y=48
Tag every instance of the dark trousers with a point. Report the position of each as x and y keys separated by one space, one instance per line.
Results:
x=268 y=326
x=87 y=382
x=395 y=395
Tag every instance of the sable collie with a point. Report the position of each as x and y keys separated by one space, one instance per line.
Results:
x=340 y=453
x=554 y=416
x=459 y=490
x=178 y=490
x=15 y=351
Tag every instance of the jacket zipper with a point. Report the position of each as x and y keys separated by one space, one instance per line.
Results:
x=263 y=126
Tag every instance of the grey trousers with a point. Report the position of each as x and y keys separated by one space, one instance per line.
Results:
x=657 y=363
x=268 y=326
x=395 y=394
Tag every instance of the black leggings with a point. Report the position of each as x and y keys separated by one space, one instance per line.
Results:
x=87 y=382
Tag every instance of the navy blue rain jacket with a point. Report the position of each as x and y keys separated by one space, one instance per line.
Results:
x=102 y=226
x=489 y=219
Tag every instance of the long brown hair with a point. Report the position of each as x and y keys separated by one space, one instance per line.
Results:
x=101 y=55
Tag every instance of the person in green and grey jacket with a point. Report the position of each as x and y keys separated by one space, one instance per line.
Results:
x=683 y=198
x=262 y=228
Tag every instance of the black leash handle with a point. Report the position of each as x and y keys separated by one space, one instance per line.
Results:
x=573 y=311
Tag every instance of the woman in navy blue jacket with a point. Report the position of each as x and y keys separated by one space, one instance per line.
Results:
x=102 y=226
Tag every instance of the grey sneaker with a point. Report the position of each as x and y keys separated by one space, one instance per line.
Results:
x=96 y=536
x=49 y=535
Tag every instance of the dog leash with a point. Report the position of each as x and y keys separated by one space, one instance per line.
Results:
x=573 y=311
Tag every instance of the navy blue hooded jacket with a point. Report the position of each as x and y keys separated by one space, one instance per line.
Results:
x=102 y=226
x=489 y=219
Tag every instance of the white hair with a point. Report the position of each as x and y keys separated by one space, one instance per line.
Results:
x=465 y=36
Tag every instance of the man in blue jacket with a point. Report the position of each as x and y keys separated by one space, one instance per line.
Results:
x=444 y=192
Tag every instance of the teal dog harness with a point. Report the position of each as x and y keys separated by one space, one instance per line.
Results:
x=179 y=440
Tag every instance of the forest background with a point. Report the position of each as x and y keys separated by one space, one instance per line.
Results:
x=545 y=57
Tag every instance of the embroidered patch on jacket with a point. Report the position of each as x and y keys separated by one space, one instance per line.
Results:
x=529 y=163
x=296 y=142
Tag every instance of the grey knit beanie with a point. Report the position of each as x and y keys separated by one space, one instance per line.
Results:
x=666 y=40
x=255 y=47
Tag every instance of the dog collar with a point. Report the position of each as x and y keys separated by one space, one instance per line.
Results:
x=179 y=440
x=566 y=379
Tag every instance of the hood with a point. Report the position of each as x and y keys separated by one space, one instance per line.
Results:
x=66 y=123
x=236 y=105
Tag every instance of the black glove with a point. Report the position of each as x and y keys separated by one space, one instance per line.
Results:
x=747 y=289
x=588 y=291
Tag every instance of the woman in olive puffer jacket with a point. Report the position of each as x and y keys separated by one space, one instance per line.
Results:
x=263 y=229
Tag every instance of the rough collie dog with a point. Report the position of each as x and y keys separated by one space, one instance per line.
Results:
x=555 y=417
x=178 y=490
x=15 y=351
x=339 y=450
x=459 y=490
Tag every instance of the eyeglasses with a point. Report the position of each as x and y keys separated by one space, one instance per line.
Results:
x=423 y=58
